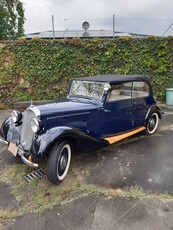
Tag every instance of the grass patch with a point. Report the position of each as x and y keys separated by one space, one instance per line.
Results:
x=96 y=190
x=135 y=192
x=139 y=193
x=13 y=175
x=40 y=195
x=37 y=196
x=6 y=215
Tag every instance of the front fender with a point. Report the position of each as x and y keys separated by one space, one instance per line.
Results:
x=10 y=131
x=5 y=127
x=43 y=142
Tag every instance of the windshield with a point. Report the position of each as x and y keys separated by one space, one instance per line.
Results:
x=88 y=89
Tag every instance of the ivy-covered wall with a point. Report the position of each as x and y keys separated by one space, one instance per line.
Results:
x=41 y=70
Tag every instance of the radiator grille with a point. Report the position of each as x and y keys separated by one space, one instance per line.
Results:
x=26 y=132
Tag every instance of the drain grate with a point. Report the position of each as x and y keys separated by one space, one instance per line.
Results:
x=36 y=174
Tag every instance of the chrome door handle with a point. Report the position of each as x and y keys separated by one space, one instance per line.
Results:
x=107 y=111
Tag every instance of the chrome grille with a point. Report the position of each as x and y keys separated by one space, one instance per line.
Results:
x=26 y=132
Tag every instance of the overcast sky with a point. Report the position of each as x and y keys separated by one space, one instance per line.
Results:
x=135 y=16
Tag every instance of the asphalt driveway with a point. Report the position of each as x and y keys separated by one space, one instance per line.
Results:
x=140 y=163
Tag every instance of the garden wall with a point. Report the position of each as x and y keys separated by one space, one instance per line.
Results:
x=41 y=70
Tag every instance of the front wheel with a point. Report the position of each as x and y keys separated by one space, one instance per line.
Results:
x=152 y=124
x=59 y=162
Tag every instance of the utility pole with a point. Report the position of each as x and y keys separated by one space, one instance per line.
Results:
x=53 y=29
x=113 y=25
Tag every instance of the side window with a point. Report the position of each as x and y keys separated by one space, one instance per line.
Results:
x=120 y=92
x=140 y=89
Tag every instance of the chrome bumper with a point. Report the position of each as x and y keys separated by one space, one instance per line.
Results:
x=3 y=142
x=21 y=154
x=25 y=160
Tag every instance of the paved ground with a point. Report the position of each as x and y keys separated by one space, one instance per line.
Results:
x=96 y=213
x=140 y=162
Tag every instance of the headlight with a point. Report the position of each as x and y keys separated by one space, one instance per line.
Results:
x=35 y=125
x=16 y=116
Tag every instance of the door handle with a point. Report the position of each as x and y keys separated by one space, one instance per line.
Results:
x=107 y=110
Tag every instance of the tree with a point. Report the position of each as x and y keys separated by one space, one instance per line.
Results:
x=11 y=19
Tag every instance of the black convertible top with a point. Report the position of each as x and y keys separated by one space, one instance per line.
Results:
x=115 y=78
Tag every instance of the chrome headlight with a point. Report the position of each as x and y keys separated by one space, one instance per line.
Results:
x=35 y=125
x=16 y=116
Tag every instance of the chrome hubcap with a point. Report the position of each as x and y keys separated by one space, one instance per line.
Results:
x=63 y=162
x=152 y=124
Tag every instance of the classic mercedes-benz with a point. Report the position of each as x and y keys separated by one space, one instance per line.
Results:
x=97 y=111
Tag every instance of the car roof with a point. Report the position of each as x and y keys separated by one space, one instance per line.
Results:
x=115 y=78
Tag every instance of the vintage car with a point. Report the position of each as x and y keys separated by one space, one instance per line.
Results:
x=97 y=111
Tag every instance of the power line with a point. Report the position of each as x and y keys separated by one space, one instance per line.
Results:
x=119 y=18
x=167 y=29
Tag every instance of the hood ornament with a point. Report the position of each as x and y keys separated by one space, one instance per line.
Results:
x=31 y=103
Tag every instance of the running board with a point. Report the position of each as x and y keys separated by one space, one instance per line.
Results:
x=120 y=137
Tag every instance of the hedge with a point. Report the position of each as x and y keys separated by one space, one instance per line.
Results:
x=41 y=69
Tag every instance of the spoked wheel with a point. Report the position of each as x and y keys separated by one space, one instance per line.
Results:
x=59 y=162
x=152 y=124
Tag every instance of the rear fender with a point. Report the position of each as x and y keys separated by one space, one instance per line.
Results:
x=42 y=143
x=153 y=109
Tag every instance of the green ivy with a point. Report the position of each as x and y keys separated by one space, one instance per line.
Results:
x=41 y=69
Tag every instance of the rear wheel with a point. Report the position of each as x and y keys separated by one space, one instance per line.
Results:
x=152 y=124
x=59 y=162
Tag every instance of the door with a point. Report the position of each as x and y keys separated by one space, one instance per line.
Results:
x=116 y=115
x=141 y=102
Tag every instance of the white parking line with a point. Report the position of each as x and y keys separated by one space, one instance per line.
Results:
x=166 y=127
x=168 y=113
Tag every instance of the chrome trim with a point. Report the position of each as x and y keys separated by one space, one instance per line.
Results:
x=28 y=163
x=3 y=141
x=14 y=116
x=159 y=111
x=68 y=115
x=37 y=124
x=25 y=160
x=21 y=154
x=146 y=116
x=35 y=110
x=26 y=132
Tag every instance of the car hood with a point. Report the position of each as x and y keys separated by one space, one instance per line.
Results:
x=66 y=107
x=71 y=113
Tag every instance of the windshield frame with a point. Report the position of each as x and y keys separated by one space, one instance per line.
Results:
x=88 y=95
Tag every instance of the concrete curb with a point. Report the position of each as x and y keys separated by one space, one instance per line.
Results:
x=25 y=104
x=165 y=106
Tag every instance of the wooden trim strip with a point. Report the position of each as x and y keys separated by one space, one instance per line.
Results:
x=117 y=138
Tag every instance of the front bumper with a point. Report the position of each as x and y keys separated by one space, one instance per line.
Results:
x=3 y=142
x=21 y=154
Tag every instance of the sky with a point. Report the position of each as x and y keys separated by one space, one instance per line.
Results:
x=133 y=16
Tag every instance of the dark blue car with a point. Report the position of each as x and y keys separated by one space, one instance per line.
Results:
x=97 y=111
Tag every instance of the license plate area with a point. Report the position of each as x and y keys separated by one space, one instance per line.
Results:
x=13 y=149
